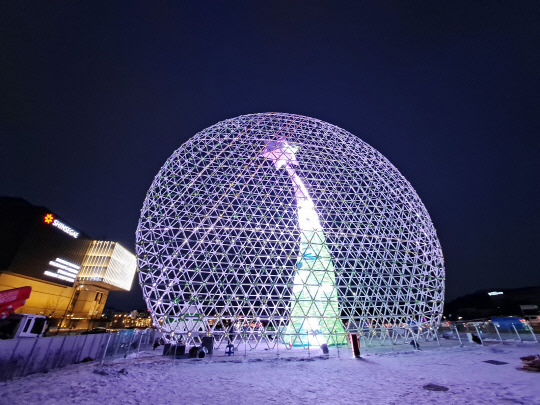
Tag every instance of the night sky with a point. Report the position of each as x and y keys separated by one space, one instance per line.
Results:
x=95 y=96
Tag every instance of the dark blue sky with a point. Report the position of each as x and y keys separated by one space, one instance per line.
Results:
x=94 y=96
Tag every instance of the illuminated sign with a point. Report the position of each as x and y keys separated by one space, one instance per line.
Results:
x=495 y=293
x=65 y=270
x=49 y=218
x=59 y=276
x=65 y=228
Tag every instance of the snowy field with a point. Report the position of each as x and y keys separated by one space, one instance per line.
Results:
x=389 y=377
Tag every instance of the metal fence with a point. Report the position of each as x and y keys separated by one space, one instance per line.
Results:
x=128 y=342
x=483 y=332
x=24 y=356
x=375 y=340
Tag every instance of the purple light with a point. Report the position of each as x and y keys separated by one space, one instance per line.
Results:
x=246 y=214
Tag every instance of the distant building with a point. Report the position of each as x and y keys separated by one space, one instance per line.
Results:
x=125 y=320
x=70 y=273
x=496 y=302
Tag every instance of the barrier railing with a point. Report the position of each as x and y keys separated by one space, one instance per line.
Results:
x=24 y=356
x=21 y=357
x=262 y=343
x=127 y=342
x=488 y=331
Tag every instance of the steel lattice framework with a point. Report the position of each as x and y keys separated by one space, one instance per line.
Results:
x=279 y=224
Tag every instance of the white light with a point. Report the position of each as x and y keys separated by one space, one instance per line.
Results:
x=61 y=266
x=109 y=262
x=66 y=273
x=495 y=293
x=348 y=216
x=68 y=263
x=51 y=274
x=64 y=228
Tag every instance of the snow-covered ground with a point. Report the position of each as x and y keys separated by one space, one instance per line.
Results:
x=384 y=377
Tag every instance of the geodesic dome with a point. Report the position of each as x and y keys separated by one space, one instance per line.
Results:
x=278 y=225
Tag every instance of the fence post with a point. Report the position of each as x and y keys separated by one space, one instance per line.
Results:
x=29 y=357
x=106 y=347
x=147 y=336
x=497 y=330
x=174 y=348
x=479 y=335
x=129 y=345
x=437 y=336
x=13 y=369
x=95 y=342
x=117 y=343
x=44 y=363
x=60 y=352
x=140 y=342
x=532 y=332
x=517 y=333
x=459 y=337
x=78 y=358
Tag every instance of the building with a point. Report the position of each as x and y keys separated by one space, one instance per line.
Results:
x=127 y=320
x=70 y=273
x=496 y=302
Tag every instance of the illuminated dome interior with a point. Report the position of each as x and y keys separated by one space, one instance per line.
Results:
x=282 y=225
